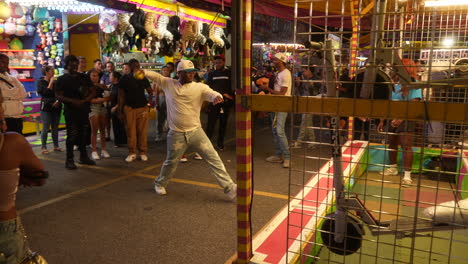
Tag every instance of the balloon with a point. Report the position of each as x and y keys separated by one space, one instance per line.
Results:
x=108 y=21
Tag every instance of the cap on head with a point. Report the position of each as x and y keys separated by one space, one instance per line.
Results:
x=220 y=56
x=186 y=66
x=282 y=57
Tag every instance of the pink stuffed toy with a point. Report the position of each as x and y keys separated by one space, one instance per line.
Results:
x=49 y=39
x=58 y=25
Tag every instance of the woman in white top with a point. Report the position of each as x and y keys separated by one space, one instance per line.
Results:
x=13 y=94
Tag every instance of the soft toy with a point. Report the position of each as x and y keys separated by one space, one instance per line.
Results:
x=53 y=51
x=3 y=43
x=49 y=40
x=189 y=37
x=150 y=20
x=21 y=21
x=60 y=71
x=51 y=23
x=45 y=26
x=39 y=30
x=43 y=41
x=137 y=20
x=20 y=30
x=173 y=26
x=2 y=28
x=58 y=25
x=10 y=27
x=108 y=21
x=126 y=30
x=40 y=14
x=27 y=14
x=162 y=28
x=206 y=34
x=47 y=51
x=50 y=62
x=16 y=44
x=30 y=29
x=60 y=49
x=56 y=72
x=5 y=11
x=58 y=61
x=55 y=36
x=16 y=10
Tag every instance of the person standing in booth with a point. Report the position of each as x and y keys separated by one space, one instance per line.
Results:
x=13 y=95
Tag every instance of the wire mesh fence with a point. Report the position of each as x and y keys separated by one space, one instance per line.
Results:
x=390 y=190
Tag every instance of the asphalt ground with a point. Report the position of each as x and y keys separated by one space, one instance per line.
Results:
x=109 y=213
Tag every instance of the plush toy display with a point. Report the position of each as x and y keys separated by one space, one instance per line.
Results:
x=20 y=30
x=51 y=23
x=60 y=49
x=55 y=36
x=49 y=39
x=150 y=21
x=58 y=61
x=2 y=28
x=3 y=43
x=5 y=11
x=10 y=27
x=45 y=26
x=16 y=10
x=16 y=44
x=108 y=21
x=53 y=51
x=47 y=51
x=125 y=31
x=40 y=14
x=58 y=25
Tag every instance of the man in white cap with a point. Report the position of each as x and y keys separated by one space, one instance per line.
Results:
x=282 y=86
x=184 y=99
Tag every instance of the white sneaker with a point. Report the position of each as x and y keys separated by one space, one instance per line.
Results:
x=197 y=156
x=105 y=154
x=184 y=159
x=95 y=155
x=286 y=163
x=143 y=157
x=296 y=145
x=160 y=189
x=406 y=182
x=130 y=158
x=75 y=147
x=274 y=159
x=391 y=171
x=232 y=194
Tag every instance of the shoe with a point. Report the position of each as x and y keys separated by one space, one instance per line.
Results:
x=57 y=149
x=130 y=158
x=296 y=145
x=286 y=163
x=158 y=138
x=274 y=159
x=391 y=171
x=232 y=194
x=70 y=164
x=105 y=154
x=160 y=189
x=44 y=151
x=184 y=159
x=95 y=155
x=75 y=147
x=87 y=161
x=220 y=148
x=197 y=156
x=406 y=183
x=143 y=157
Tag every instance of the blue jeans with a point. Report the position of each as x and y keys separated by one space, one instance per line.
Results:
x=177 y=144
x=278 y=121
x=12 y=242
x=305 y=131
x=50 y=119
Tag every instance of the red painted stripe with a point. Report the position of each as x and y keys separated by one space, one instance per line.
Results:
x=243 y=224
x=274 y=246
x=243 y=125
x=353 y=149
x=320 y=191
x=244 y=192
x=241 y=142
x=247 y=159
x=242 y=208
x=243 y=240
x=344 y=164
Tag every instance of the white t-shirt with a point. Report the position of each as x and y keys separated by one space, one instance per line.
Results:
x=183 y=102
x=283 y=79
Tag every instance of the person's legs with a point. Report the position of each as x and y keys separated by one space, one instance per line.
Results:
x=55 y=120
x=176 y=146
x=276 y=143
x=102 y=124
x=83 y=136
x=94 y=121
x=130 y=118
x=72 y=135
x=406 y=140
x=141 y=129
x=202 y=144
x=223 y=121
x=281 y=134
x=308 y=123
x=212 y=117
x=46 y=118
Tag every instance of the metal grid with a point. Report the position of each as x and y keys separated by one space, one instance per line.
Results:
x=383 y=218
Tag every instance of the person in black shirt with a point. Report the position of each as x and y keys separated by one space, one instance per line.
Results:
x=134 y=105
x=50 y=108
x=118 y=126
x=75 y=91
x=220 y=81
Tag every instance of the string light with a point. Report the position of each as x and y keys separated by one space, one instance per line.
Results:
x=62 y=5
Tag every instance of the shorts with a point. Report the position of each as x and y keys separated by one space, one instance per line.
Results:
x=405 y=127
x=97 y=109
x=13 y=247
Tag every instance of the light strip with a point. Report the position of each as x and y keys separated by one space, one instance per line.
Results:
x=446 y=3
x=62 y=5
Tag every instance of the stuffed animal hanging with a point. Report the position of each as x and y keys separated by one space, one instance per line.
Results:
x=189 y=37
x=150 y=21
x=173 y=26
x=218 y=42
x=137 y=20
x=126 y=30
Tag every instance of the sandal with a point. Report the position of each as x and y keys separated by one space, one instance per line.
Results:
x=44 y=151
x=58 y=149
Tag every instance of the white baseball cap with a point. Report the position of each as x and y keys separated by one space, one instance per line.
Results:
x=186 y=66
x=282 y=57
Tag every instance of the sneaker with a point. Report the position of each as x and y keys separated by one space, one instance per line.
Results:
x=130 y=158
x=296 y=145
x=87 y=161
x=143 y=157
x=95 y=155
x=184 y=159
x=286 y=163
x=232 y=194
x=70 y=164
x=75 y=147
x=105 y=154
x=406 y=182
x=197 y=156
x=274 y=159
x=157 y=138
x=160 y=189
x=389 y=171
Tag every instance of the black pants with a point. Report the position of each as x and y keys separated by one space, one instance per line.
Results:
x=118 y=127
x=77 y=133
x=213 y=115
x=14 y=125
x=162 y=116
x=361 y=129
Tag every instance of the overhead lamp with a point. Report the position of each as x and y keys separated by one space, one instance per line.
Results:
x=435 y=3
x=448 y=42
